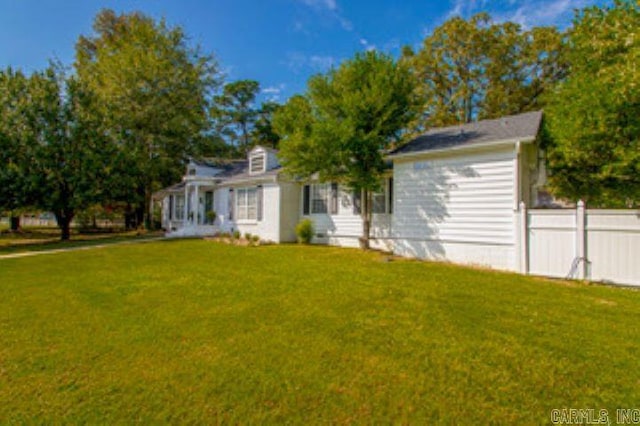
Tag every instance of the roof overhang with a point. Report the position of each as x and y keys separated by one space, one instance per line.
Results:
x=461 y=148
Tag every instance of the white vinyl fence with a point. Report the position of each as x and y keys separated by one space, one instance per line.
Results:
x=598 y=245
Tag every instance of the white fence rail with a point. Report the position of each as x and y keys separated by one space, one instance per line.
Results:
x=598 y=245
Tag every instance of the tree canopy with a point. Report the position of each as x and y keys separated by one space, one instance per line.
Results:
x=153 y=92
x=342 y=126
x=593 y=118
x=476 y=68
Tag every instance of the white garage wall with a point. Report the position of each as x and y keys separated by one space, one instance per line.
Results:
x=457 y=208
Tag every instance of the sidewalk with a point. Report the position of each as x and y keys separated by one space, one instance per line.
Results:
x=87 y=247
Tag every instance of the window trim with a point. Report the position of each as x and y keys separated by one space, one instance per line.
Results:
x=330 y=198
x=242 y=196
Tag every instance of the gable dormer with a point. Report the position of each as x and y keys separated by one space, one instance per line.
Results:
x=262 y=159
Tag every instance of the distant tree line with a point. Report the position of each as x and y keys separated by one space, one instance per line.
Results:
x=139 y=101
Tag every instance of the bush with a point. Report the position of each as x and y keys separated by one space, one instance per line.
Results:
x=236 y=234
x=247 y=236
x=255 y=239
x=304 y=231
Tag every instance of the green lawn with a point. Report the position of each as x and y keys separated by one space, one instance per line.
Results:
x=196 y=331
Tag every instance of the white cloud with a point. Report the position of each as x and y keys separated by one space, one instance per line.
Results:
x=297 y=61
x=367 y=46
x=330 y=7
x=528 y=13
x=321 y=4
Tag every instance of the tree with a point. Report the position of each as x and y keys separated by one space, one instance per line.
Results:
x=263 y=131
x=69 y=161
x=153 y=91
x=234 y=112
x=592 y=123
x=341 y=128
x=16 y=138
x=474 y=69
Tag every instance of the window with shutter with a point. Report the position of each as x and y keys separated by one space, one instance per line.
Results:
x=231 y=203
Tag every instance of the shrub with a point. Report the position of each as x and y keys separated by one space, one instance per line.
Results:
x=211 y=217
x=255 y=239
x=304 y=231
x=236 y=234
x=247 y=236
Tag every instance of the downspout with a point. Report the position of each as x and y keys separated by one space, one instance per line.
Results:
x=518 y=187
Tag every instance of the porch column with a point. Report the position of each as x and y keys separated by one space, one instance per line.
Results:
x=196 y=210
x=185 y=218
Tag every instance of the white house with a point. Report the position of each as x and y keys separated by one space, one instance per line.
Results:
x=249 y=196
x=452 y=194
x=458 y=191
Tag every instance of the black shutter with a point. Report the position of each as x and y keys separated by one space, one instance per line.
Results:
x=334 y=198
x=357 y=202
x=259 y=200
x=231 y=202
x=390 y=195
x=170 y=207
x=306 y=199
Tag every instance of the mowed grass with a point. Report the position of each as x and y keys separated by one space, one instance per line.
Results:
x=196 y=331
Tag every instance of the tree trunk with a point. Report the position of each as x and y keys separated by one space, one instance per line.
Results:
x=366 y=220
x=64 y=218
x=15 y=223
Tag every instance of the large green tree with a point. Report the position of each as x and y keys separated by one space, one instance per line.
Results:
x=234 y=113
x=153 y=90
x=476 y=68
x=16 y=140
x=593 y=119
x=342 y=126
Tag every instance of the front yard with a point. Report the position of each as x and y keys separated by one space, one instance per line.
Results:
x=195 y=331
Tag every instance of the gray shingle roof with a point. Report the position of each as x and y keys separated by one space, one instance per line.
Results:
x=521 y=126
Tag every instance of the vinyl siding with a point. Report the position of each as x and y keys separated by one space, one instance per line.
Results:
x=457 y=208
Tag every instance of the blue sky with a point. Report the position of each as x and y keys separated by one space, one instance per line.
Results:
x=280 y=43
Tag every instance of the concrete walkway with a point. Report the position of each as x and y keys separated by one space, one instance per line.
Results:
x=87 y=247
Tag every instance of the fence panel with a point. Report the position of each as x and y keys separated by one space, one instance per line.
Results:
x=552 y=242
x=606 y=248
x=613 y=246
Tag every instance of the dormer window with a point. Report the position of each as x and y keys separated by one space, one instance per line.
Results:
x=192 y=172
x=257 y=163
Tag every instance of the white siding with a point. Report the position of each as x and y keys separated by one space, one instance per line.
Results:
x=267 y=229
x=457 y=208
x=345 y=227
x=289 y=211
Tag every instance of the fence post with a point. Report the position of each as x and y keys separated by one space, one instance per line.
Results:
x=524 y=238
x=580 y=241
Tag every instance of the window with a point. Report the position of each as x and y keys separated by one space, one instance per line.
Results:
x=382 y=202
x=257 y=163
x=170 y=207
x=247 y=204
x=379 y=202
x=179 y=207
x=320 y=198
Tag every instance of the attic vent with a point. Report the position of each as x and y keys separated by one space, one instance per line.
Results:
x=256 y=163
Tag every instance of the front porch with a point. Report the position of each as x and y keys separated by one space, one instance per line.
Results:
x=188 y=208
